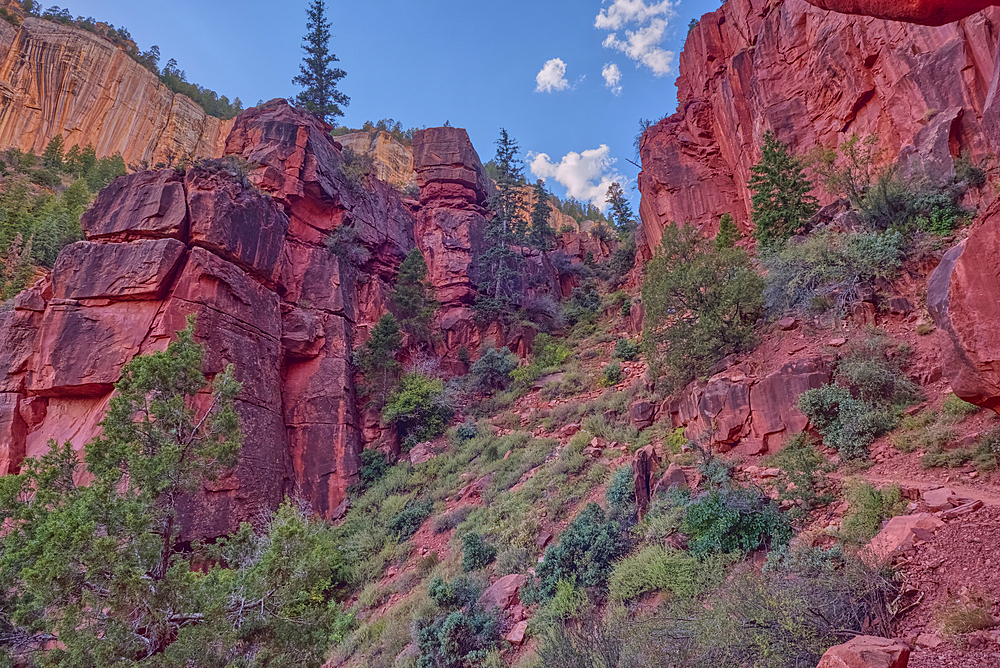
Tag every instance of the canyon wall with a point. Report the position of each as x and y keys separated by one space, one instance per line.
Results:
x=814 y=78
x=56 y=79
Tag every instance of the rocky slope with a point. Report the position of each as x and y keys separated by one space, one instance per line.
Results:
x=249 y=258
x=814 y=78
x=57 y=79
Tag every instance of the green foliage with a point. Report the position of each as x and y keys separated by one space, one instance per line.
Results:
x=583 y=304
x=984 y=454
x=612 y=374
x=493 y=368
x=865 y=400
x=968 y=172
x=656 y=568
x=804 y=479
x=780 y=199
x=376 y=360
x=869 y=507
x=374 y=466
x=52 y=157
x=701 y=305
x=467 y=430
x=358 y=167
x=585 y=554
x=728 y=234
x=955 y=408
x=419 y=408
x=850 y=171
x=626 y=349
x=830 y=266
x=317 y=77
x=541 y=234
x=581 y=211
x=345 y=243
x=621 y=492
x=174 y=78
x=733 y=520
x=500 y=267
x=407 y=522
x=456 y=634
x=476 y=552
x=414 y=304
x=113 y=545
x=621 y=211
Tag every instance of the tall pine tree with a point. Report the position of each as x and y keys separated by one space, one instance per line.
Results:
x=500 y=266
x=414 y=304
x=317 y=77
x=779 y=194
x=621 y=210
x=541 y=233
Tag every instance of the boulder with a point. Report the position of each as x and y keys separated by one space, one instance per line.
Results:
x=502 y=594
x=644 y=461
x=899 y=534
x=516 y=635
x=776 y=416
x=641 y=413
x=941 y=498
x=139 y=270
x=867 y=652
x=674 y=476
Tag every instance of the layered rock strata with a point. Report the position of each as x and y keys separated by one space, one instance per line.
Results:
x=57 y=79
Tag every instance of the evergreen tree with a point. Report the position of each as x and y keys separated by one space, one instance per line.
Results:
x=414 y=305
x=317 y=78
x=52 y=157
x=376 y=359
x=779 y=194
x=500 y=266
x=728 y=234
x=541 y=234
x=621 y=210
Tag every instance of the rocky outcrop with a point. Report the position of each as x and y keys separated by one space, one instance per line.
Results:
x=57 y=79
x=814 y=78
x=735 y=409
x=927 y=12
x=962 y=299
x=867 y=652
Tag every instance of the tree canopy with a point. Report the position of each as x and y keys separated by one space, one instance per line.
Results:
x=317 y=77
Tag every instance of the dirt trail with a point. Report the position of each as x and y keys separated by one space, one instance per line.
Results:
x=989 y=497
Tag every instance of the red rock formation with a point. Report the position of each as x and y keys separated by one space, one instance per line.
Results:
x=57 y=79
x=927 y=12
x=867 y=652
x=734 y=409
x=814 y=78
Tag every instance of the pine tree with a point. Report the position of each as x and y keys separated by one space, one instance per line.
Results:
x=376 y=359
x=317 y=78
x=728 y=234
x=52 y=157
x=414 y=305
x=621 y=211
x=541 y=234
x=500 y=266
x=779 y=194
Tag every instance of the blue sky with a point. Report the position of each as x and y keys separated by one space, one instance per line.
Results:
x=534 y=68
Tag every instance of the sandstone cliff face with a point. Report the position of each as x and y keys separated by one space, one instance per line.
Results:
x=814 y=78
x=393 y=160
x=248 y=256
x=56 y=79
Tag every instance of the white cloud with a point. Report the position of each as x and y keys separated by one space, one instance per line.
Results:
x=622 y=12
x=642 y=44
x=586 y=176
x=552 y=77
x=612 y=78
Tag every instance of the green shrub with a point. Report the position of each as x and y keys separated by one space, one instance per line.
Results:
x=737 y=520
x=829 y=267
x=467 y=430
x=585 y=553
x=626 y=350
x=956 y=409
x=449 y=521
x=418 y=408
x=804 y=479
x=512 y=560
x=493 y=368
x=457 y=634
x=408 y=521
x=676 y=440
x=476 y=552
x=374 y=465
x=621 y=492
x=701 y=305
x=612 y=374
x=656 y=568
x=869 y=507
x=582 y=305
x=358 y=167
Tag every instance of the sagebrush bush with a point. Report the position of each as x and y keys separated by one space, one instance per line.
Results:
x=583 y=304
x=621 y=492
x=493 y=368
x=733 y=520
x=585 y=553
x=868 y=508
x=419 y=408
x=626 y=349
x=476 y=552
x=408 y=521
x=612 y=374
x=457 y=634
x=803 y=479
x=829 y=267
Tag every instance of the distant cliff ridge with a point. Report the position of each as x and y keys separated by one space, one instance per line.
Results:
x=56 y=79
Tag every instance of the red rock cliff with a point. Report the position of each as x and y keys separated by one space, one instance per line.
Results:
x=56 y=79
x=814 y=78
